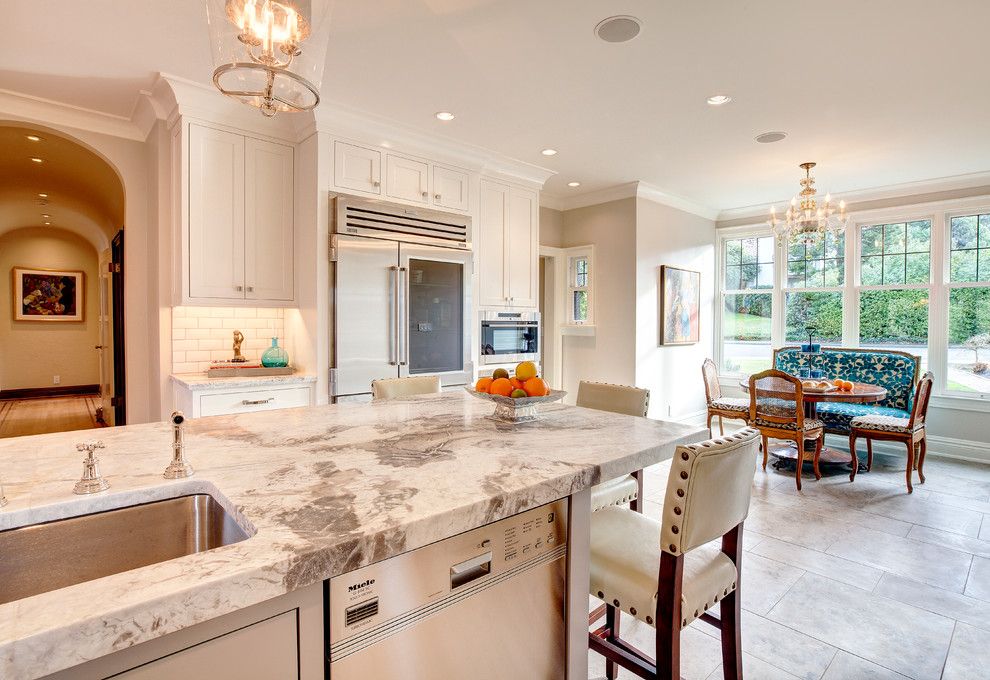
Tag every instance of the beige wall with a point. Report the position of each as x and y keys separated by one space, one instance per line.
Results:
x=551 y=227
x=31 y=352
x=609 y=355
x=667 y=236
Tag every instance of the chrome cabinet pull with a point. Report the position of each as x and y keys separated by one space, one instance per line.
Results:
x=257 y=402
x=403 y=323
x=393 y=317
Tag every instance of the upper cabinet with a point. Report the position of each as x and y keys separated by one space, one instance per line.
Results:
x=507 y=241
x=405 y=179
x=238 y=244
x=356 y=168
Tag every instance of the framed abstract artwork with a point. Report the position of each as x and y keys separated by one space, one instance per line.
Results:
x=680 y=304
x=48 y=295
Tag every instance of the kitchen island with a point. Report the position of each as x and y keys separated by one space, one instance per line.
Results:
x=320 y=491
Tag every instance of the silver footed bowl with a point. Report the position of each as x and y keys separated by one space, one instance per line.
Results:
x=521 y=410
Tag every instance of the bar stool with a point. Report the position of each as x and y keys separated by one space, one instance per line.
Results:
x=395 y=388
x=708 y=494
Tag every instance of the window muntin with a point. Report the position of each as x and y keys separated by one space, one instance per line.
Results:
x=969 y=248
x=579 y=285
x=749 y=263
x=816 y=262
x=898 y=253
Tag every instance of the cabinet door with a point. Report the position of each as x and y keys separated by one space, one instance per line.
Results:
x=490 y=243
x=450 y=188
x=263 y=651
x=407 y=179
x=522 y=246
x=268 y=224
x=216 y=214
x=356 y=168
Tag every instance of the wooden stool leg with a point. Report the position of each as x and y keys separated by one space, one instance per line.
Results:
x=730 y=612
x=721 y=427
x=800 y=462
x=818 y=454
x=854 y=461
x=612 y=620
x=709 y=425
x=910 y=465
x=766 y=449
x=869 y=454
x=921 y=458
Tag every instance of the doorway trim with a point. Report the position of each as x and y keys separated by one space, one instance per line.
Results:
x=553 y=303
x=119 y=399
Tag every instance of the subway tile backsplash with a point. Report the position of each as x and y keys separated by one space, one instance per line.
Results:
x=201 y=335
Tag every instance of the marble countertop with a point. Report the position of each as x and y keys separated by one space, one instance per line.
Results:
x=200 y=382
x=324 y=490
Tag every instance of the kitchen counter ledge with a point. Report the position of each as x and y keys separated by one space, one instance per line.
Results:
x=324 y=490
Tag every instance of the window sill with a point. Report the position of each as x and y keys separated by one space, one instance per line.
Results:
x=960 y=403
x=578 y=329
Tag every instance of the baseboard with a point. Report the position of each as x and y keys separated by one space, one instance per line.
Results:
x=941 y=447
x=42 y=392
x=695 y=418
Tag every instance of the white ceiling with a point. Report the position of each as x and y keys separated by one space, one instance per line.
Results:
x=878 y=92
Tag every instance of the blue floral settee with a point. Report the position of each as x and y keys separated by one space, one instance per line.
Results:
x=895 y=371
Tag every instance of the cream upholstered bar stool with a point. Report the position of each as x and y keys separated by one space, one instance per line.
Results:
x=394 y=388
x=631 y=401
x=669 y=573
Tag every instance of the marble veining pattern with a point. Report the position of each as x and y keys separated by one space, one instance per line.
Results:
x=200 y=382
x=322 y=490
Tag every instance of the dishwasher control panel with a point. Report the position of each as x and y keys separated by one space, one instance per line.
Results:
x=413 y=584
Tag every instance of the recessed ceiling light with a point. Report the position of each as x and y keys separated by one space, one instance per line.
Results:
x=33 y=138
x=42 y=195
x=549 y=152
x=573 y=184
x=37 y=160
x=444 y=115
x=719 y=99
x=48 y=224
x=770 y=137
x=45 y=216
x=618 y=29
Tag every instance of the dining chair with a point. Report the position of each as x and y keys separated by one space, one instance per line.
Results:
x=776 y=409
x=395 y=388
x=909 y=431
x=723 y=407
x=668 y=573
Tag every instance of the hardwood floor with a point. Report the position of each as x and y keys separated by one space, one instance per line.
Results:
x=38 y=416
x=847 y=580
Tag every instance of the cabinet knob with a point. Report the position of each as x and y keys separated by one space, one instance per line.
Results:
x=426 y=194
x=375 y=183
x=436 y=196
x=238 y=288
x=250 y=289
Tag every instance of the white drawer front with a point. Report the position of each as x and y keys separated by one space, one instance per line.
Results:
x=255 y=400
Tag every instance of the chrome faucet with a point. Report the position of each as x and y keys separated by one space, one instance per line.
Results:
x=92 y=481
x=179 y=467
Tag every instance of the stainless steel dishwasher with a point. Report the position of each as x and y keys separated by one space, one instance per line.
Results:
x=487 y=604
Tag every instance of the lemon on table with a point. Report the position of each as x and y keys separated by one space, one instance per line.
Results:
x=526 y=370
x=499 y=373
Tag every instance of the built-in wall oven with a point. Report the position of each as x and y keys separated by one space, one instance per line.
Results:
x=509 y=337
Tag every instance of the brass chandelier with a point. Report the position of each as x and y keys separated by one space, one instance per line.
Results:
x=806 y=217
x=267 y=53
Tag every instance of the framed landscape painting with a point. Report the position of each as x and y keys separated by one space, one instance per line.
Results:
x=680 y=304
x=48 y=295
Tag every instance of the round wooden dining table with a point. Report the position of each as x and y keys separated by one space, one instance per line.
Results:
x=861 y=393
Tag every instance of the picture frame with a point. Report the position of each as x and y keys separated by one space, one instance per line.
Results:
x=680 y=306
x=48 y=295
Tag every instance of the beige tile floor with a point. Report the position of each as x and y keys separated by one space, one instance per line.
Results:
x=850 y=581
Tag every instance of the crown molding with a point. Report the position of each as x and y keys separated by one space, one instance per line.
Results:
x=927 y=190
x=642 y=190
x=342 y=121
x=27 y=107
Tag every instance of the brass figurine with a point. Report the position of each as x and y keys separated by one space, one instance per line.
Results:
x=238 y=357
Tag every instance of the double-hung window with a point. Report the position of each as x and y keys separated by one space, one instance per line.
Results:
x=579 y=287
x=747 y=302
x=968 y=365
x=816 y=270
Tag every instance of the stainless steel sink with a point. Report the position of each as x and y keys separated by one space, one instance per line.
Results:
x=41 y=557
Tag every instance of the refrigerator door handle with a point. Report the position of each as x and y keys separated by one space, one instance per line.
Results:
x=403 y=317
x=393 y=317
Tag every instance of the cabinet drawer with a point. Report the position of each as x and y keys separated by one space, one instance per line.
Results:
x=254 y=400
x=263 y=651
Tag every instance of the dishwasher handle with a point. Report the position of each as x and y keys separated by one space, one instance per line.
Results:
x=470 y=570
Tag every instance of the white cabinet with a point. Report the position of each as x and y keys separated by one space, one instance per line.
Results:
x=268 y=224
x=219 y=400
x=216 y=214
x=407 y=179
x=508 y=246
x=357 y=168
x=450 y=188
x=239 y=243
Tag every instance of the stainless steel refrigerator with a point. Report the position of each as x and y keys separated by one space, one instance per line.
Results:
x=401 y=281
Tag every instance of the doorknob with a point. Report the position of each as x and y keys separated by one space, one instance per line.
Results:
x=98 y=347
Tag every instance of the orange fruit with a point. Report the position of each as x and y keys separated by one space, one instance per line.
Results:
x=536 y=387
x=526 y=370
x=847 y=386
x=483 y=384
x=517 y=384
x=501 y=386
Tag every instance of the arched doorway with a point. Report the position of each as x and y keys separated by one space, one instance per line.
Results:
x=61 y=319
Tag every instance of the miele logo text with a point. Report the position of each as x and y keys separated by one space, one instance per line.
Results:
x=358 y=586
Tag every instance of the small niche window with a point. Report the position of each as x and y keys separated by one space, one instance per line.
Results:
x=579 y=288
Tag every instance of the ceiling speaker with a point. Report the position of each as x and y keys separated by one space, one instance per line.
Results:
x=618 y=29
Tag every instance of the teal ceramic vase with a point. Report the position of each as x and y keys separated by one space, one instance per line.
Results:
x=275 y=356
